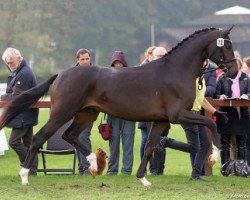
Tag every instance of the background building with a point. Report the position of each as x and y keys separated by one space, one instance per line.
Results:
x=236 y=15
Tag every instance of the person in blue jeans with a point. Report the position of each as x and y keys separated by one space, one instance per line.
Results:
x=83 y=60
x=145 y=126
x=157 y=161
x=121 y=130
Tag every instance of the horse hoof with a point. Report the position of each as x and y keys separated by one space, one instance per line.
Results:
x=144 y=181
x=211 y=161
x=93 y=161
x=24 y=174
x=93 y=172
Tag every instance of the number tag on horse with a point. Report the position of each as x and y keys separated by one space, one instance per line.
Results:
x=220 y=42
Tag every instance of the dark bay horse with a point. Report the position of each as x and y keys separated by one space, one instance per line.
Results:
x=162 y=91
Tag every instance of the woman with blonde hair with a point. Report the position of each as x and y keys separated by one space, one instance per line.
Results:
x=238 y=59
x=148 y=55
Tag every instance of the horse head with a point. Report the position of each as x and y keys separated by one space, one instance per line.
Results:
x=221 y=52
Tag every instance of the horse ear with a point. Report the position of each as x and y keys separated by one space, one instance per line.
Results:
x=227 y=32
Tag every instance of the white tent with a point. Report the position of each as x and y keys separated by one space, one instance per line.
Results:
x=235 y=10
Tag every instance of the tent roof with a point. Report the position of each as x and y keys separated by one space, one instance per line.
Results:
x=236 y=15
x=220 y=20
x=235 y=10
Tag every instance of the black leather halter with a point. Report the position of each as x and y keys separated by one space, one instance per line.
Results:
x=222 y=64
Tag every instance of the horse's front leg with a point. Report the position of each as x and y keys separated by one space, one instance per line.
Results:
x=187 y=117
x=153 y=138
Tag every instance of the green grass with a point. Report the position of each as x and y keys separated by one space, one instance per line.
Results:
x=174 y=184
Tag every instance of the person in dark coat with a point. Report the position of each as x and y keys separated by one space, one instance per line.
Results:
x=20 y=79
x=83 y=59
x=210 y=81
x=237 y=87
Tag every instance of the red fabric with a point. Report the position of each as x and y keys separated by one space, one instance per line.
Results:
x=105 y=130
x=218 y=73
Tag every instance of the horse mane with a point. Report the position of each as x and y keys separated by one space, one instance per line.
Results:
x=188 y=38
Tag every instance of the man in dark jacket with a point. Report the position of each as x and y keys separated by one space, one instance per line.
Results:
x=83 y=59
x=20 y=79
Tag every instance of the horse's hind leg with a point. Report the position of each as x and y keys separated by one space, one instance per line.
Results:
x=153 y=137
x=81 y=121
x=38 y=140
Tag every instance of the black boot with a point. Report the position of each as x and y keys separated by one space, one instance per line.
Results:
x=241 y=147
x=225 y=156
x=173 y=144
x=241 y=153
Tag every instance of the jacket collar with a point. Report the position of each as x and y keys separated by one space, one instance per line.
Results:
x=22 y=64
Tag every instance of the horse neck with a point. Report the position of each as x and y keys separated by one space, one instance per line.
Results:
x=189 y=56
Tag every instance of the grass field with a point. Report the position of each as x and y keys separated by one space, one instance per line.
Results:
x=174 y=184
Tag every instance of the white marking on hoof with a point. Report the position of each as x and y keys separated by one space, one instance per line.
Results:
x=213 y=158
x=93 y=164
x=144 y=181
x=24 y=174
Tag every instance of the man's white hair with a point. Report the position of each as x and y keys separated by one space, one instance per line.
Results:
x=11 y=52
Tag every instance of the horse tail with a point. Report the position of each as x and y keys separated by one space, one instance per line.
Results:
x=24 y=101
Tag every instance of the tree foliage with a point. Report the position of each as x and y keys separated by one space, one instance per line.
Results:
x=50 y=32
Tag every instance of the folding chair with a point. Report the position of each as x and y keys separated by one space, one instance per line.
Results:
x=57 y=146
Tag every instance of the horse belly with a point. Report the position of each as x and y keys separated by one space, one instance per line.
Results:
x=136 y=112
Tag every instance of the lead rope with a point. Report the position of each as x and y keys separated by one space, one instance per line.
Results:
x=104 y=116
x=201 y=76
x=200 y=85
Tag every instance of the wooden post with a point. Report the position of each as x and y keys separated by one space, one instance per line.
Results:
x=208 y=168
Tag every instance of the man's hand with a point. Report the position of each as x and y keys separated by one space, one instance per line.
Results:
x=244 y=96
x=223 y=96
x=221 y=115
